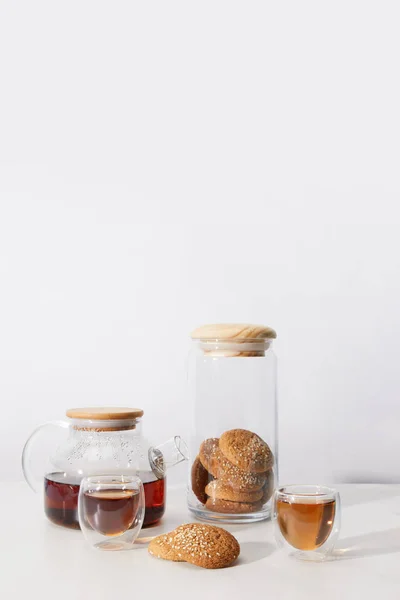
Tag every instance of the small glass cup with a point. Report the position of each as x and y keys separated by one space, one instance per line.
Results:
x=111 y=510
x=306 y=520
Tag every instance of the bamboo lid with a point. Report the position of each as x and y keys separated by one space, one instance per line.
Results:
x=233 y=331
x=108 y=413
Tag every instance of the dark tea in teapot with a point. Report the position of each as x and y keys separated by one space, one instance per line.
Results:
x=61 y=498
x=98 y=441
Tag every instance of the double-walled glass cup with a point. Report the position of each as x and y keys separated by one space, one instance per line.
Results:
x=111 y=511
x=307 y=520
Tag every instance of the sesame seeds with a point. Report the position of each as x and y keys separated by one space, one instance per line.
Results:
x=203 y=545
x=220 y=467
x=246 y=450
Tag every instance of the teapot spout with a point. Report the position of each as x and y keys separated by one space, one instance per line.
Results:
x=166 y=455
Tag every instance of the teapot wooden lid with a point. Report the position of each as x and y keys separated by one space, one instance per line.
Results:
x=233 y=331
x=104 y=413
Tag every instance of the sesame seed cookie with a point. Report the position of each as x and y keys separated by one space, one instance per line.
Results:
x=227 y=506
x=220 y=467
x=161 y=547
x=203 y=545
x=269 y=487
x=200 y=478
x=246 y=450
x=208 y=455
x=220 y=490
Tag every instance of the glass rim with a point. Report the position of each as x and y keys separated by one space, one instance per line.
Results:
x=314 y=491
x=115 y=480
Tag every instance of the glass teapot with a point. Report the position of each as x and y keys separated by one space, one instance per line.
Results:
x=96 y=441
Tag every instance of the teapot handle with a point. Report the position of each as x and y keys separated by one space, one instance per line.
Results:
x=34 y=479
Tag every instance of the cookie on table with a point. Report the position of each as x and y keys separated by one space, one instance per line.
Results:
x=220 y=490
x=200 y=478
x=220 y=467
x=246 y=450
x=229 y=507
x=161 y=547
x=203 y=545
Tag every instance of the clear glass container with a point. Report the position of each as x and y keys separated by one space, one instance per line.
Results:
x=96 y=441
x=307 y=521
x=233 y=442
x=111 y=511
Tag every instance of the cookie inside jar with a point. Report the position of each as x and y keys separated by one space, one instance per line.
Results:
x=233 y=474
x=232 y=380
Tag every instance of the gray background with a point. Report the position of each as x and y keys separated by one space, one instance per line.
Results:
x=168 y=164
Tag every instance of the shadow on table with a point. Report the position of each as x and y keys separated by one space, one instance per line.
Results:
x=254 y=551
x=369 y=544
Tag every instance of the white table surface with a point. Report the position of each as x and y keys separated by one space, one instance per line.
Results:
x=40 y=560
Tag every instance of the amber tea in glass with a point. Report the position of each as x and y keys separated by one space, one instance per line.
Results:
x=111 y=508
x=111 y=512
x=307 y=520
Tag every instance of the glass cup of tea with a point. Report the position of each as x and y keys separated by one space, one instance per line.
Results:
x=306 y=520
x=111 y=510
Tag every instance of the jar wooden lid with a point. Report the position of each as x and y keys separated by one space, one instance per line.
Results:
x=233 y=331
x=108 y=413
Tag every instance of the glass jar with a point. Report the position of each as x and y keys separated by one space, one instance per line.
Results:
x=233 y=442
x=96 y=441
